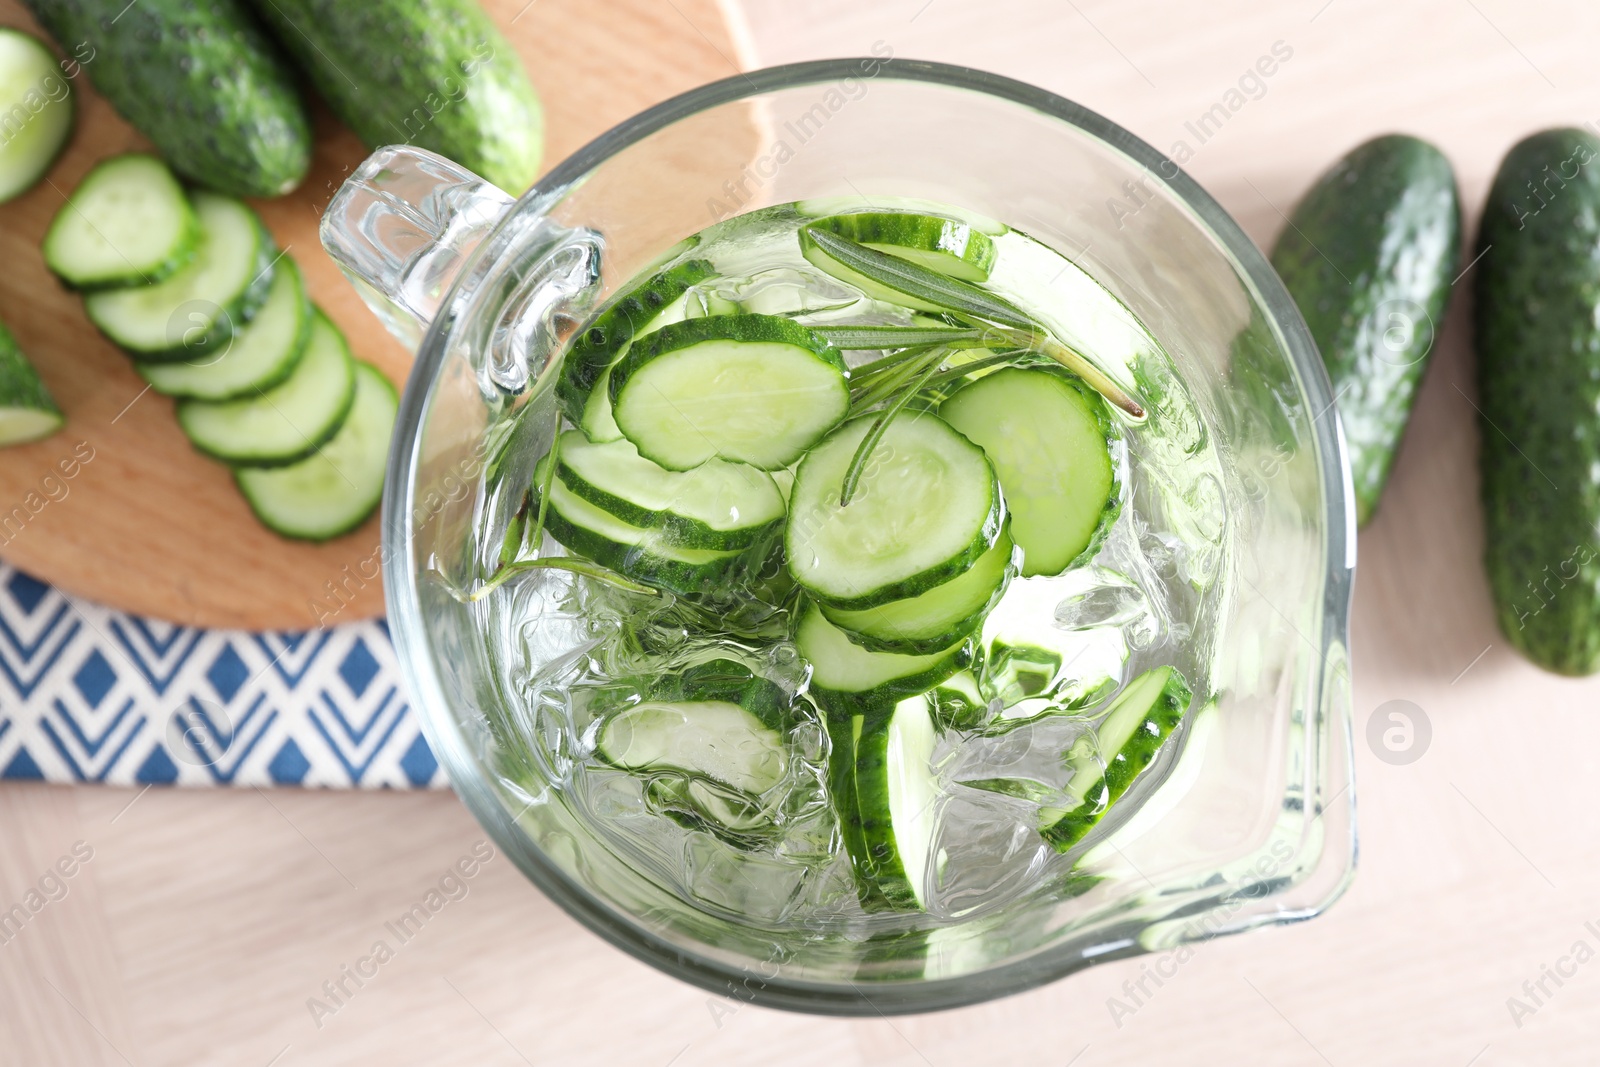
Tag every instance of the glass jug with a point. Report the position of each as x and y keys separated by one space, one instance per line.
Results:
x=1253 y=827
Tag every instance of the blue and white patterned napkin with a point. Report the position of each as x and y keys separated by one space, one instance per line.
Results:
x=88 y=694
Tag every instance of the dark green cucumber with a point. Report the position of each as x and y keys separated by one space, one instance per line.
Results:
x=1368 y=255
x=1538 y=342
x=27 y=412
x=1104 y=765
x=200 y=79
x=432 y=73
x=606 y=339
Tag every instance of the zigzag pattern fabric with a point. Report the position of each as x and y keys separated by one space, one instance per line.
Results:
x=88 y=694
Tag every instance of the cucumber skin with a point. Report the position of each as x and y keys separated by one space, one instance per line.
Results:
x=1538 y=349
x=1127 y=764
x=201 y=80
x=387 y=68
x=878 y=862
x=846 y=804
x=1388 y=216
x=20 y=384
x=596 y=347
x=675 y=576
x=676 y=529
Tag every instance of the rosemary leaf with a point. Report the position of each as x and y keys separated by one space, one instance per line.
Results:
x=858 y=462
x=861 y=337
x=587 y=568
x=917 y=281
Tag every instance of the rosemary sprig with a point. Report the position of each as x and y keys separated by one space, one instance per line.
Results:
x=883 y=387
x=587 y=568
x=858 y=462
x=974 y=306
x=917 y=281
x=863 y=337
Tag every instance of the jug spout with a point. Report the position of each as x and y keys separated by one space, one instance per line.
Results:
x=402 y=227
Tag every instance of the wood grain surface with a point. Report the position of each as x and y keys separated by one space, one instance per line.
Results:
x=205 y=921
x=149 y=525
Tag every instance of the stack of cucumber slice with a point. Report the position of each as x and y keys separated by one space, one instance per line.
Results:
x=193 y=289
x=902 y=496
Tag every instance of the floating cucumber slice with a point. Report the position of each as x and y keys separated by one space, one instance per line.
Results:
x=936 y=619
x=1047 y=436
x=823 y=206
x=27 y=411
x=198 y=307
x=951 y=247
x=129 y=222
x=713 y=739
x=37 y=103
x=846 y=677
x=284 y=424
x=257 y=357
x=754 y=388
x=886 y=797
x=333 y=491
x=606 y=339
x=1134 y=728
x=697 y=804
x=926 y=508
x=731 y=681
x=719 y=504
x=596 y=421
x=637 y=552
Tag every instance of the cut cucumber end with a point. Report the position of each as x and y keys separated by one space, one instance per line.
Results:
x=36 y=102
x=20 y=425
x=128 y=223
x=753 y=388
x=333 y=491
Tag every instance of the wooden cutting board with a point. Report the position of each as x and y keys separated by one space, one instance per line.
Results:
x=148 y=524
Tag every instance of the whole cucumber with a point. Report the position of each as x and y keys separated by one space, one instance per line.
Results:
x=1368 y=256
x=1538 y=345
x=200 y=79
x=431 y=73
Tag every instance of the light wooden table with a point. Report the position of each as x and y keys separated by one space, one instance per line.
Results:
x=204 y=921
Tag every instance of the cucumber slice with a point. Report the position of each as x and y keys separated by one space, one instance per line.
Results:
x=731 y=681
x=1048 y=438
x=719 y=504
x=823 y=206
x=129 y=222
x=640 y=553
x=697 y=804
x=754 y=388
x=926 y=508
x=257 y=357
x=284 y=424
x=605 y=340
x=891 y=804
x=936 y=619
x=37 y=105
x=713 y=739
x=596 y=422
x=846 y=677
x=334 y=491
x=27 y=412
x=198 y=307
x=951 y=247
x=1134 y=728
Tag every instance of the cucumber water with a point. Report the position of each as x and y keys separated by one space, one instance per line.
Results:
x=861 y=529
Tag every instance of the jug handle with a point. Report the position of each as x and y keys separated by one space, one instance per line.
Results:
x=402 y=227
